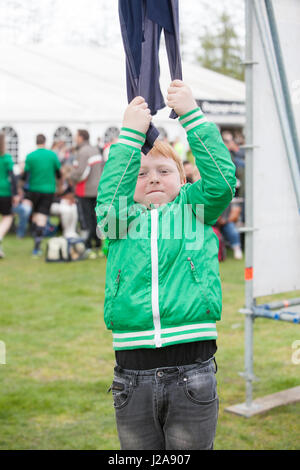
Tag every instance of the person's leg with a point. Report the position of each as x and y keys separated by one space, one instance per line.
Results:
x=40 y=221
x=192 y=408
x=81 y=216
x=85 y=210
x=233 y=237
x=30 y=203
x=135 y=408
x=239 y=162
x=23 y=211
x=231 y=234
x=7 y=219
x=97 y=240
x=42 y=207
x=5 y=225
x=88 y=206
x=55 y=209
x=69 y=218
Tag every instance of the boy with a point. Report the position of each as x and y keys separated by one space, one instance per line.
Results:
x=163 y=293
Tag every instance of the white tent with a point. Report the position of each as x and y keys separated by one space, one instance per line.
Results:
x=43 y=88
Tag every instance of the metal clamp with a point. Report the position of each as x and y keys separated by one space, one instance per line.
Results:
x=249 y=62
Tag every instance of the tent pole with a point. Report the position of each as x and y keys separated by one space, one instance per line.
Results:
x=249 y=301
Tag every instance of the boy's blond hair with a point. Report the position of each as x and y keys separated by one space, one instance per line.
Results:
x=165 y=149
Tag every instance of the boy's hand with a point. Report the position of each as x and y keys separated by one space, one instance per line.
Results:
x=180 y=98
x=137 y=115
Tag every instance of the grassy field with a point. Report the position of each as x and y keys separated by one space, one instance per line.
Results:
x=59 y=360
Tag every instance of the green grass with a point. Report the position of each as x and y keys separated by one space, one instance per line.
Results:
x=59 y=360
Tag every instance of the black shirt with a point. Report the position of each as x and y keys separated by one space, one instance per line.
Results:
x=175 y=355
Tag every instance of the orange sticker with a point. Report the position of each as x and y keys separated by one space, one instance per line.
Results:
x=248 y=274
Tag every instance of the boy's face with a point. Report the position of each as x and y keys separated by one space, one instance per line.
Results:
x=158 y=180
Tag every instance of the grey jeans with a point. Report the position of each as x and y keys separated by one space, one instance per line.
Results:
x=167 y=408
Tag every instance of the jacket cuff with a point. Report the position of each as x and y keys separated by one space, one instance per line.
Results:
x=132 y=138
x=192 y=119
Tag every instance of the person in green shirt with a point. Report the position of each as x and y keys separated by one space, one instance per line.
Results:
x=42 y=168
x=7 y=191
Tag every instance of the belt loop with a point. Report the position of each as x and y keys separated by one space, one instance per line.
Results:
x=180 y=374
x=134 y=378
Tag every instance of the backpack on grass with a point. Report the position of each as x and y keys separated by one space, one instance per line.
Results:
x=61 y=249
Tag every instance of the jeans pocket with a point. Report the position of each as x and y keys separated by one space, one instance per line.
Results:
x=121 y=392
x=201 y=388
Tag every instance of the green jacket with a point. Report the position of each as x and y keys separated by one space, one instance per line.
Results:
x=162 y=275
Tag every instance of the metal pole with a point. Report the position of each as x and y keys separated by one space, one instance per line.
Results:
x=249 y=301
x=282 y=76
x=282 y=315
x=272 y=66
x=280 y=303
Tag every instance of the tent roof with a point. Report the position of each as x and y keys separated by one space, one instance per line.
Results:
x=68 y=84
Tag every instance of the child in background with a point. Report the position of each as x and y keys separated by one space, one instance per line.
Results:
x=163 y=291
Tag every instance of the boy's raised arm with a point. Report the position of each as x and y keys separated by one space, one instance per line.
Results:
x=216 y=187
x=120 y=173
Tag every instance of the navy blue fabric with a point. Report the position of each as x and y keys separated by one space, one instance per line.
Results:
x=132 y=12
x=142 y=22
x=160 y=12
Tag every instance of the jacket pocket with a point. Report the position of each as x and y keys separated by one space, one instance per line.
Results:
x=117 y=283
x=194 y=270
x=199 y=279
x=201 y=387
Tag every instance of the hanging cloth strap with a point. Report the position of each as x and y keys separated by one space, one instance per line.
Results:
x=142 y=22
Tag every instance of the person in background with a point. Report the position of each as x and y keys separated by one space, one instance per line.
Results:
x=237 y=154
x=238 y=158
x=106 y=147
x=22 y=211
x=100 y=145
x=64 y=204
x=61 y=150
x=240 y=140
x=226 y=224
x=189 y=171
x=42 y=167
x=87 y=169
x=8 y=191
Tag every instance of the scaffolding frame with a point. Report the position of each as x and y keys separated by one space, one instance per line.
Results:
x=262 y=11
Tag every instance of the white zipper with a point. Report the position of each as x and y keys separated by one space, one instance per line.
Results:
x=154 y=290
